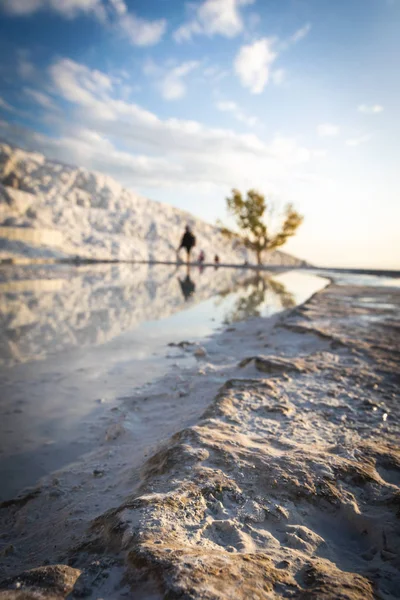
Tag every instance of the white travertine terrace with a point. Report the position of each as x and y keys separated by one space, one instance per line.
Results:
x=52 y=210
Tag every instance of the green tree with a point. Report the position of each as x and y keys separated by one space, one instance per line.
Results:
x=251 y=214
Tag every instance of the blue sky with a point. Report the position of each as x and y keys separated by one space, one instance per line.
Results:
x=181 y=101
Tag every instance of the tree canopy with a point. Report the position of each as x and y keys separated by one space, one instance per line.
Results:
x=253 y=218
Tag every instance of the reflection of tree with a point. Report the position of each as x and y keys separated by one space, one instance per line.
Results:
x=251 y=304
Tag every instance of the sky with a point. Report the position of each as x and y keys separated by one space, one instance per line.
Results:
x=183 y=101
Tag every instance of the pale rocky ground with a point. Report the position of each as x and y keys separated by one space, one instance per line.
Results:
x=49 y=210
x=282 y=480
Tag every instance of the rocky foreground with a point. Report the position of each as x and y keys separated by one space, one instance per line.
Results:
x=285 y=486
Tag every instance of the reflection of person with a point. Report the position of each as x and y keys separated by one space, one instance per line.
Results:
x=188 y=286
x=188 y=241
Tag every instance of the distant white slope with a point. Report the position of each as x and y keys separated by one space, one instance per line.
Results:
x=52 y=210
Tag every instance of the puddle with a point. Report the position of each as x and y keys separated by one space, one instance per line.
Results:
x=361 y=279
x=75 y=339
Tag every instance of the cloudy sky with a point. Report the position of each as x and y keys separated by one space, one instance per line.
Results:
x=182 y=101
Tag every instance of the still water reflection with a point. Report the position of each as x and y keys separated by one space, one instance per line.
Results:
x=44 y=311
x=74 y=339
x=255 y=295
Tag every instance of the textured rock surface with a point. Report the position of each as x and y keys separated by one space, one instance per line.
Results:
x=51 y=210
x=50 y=583
x=288 y=484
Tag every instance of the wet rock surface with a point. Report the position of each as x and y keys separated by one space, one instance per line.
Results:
x=287 y=486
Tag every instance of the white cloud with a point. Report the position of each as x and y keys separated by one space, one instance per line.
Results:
x=156 y=152
x=288 y=150
x=327 y=130
x=214 y=17
x=90 y=92
x=140 y=32
x=40 y=98
x=20 y=7
x=300 y=34
x=295 y=38
x=173 y=85
x=253 y=62
x=77 y=82
x=170 y=81
x=119 y=7
x=357 y=141
x=236 y=112
x=66 y=8
x=5 y=105
x=94 y=151
x=370 y=110
x=81 y=85
x=215 y=73
x=229 y=162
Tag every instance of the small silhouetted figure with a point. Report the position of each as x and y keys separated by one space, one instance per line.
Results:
x=216 y=260
x=188 y=286
x=202 y=257
x=188 y=241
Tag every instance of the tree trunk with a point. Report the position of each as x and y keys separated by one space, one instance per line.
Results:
x=259 y=257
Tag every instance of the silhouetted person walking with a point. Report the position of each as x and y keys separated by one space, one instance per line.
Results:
x=188 y=242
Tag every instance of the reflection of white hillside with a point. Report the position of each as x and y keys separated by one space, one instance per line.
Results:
x=44 y=310
x=51 y=210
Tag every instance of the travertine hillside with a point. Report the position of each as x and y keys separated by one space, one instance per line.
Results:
x=52 y=210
